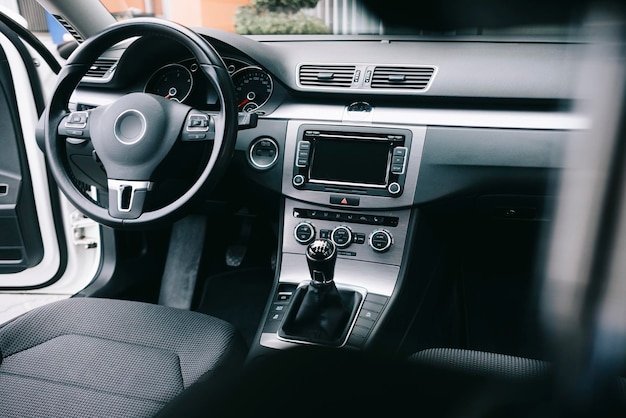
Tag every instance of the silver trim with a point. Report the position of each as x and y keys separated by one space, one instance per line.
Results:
x=389 y=243
x=313 y=233
x=150 y=79
x=119 y=185
x=257 y=68
x=376 y=278
x=77 y=125
x=404 y=117
x=363 y=85
x=406 y=154
x=362 y=252
x=197 y=128
x=144 y=126
x=347 y=244
x=413 y=159
x=255 y=164
x=299 y=149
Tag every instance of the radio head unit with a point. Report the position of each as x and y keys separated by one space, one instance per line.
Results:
x=369 y=161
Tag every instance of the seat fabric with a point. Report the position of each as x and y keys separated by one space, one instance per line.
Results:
x=89 y=357
x=483 y=363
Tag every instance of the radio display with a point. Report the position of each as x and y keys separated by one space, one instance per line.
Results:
x=355 y=161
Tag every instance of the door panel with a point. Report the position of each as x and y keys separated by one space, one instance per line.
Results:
x=21 y=245
x=43 y=250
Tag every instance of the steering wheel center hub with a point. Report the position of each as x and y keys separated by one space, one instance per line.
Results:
x=130 y=127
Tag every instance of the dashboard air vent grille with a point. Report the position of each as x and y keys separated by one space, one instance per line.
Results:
x=102 y=68
x=69 y=28
x=416 y=78
x=327 y=75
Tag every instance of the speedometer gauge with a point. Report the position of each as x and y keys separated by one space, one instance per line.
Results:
x=253 y=88
x=173 y=82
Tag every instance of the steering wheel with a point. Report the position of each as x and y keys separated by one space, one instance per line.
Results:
x=134 y=134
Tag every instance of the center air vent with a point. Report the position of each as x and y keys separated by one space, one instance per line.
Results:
x=326 y=75
x=103 y=68
x=416 y=78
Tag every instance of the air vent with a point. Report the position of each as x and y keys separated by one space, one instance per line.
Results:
x=415 y=78
x=102 y=68
x=327 y=75
x=69 y=28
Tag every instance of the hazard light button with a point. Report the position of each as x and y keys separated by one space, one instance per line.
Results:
x=344 y=200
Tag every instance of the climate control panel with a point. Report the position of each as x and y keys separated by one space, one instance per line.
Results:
x=365 y=236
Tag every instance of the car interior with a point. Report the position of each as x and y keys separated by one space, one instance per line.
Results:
x=426 y=219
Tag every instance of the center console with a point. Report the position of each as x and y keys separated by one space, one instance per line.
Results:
x=353 y=186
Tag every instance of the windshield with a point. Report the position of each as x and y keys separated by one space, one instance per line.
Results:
x=281 y=17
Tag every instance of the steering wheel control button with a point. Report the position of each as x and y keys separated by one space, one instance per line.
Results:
x=75 y=126
x=344 y=201
x=394 y=188
x=263 y=153
x=304 y=233
x=77 y=120
x=341 y=236
x=198 y=127
x=380 y=240
x=130 y=127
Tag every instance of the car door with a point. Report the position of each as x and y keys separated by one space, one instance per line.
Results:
x=48 y=250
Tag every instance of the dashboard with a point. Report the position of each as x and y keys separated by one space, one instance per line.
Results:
x=356 y=137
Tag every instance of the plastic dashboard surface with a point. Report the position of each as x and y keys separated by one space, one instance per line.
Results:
x=503 y=113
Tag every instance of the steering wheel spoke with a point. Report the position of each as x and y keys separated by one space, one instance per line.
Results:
x=198 y=126
x=127 y=198
x=76 y=125
x=133 y=136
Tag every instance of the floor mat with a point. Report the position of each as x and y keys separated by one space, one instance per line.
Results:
x=239 y=297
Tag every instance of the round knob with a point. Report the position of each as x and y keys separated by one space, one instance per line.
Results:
x=298 y=180
x=394 y=188
x=304 y=233
x=341 y=236
x=380 y=240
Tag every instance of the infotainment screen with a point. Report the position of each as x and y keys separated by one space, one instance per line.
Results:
x=356 y=161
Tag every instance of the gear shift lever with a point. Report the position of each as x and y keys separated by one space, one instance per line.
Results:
x=319 y=312
x=321 y=255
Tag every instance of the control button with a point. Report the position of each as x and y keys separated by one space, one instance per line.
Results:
x=399 y=151
x=263 y=153
x=304 y=233
x=344 y=201
x=325 y=233
x=397 y=160
x=394 y=188
x=380 y=240
x=341 y=236
x=298 y=180
x=283 y=296
x=303 y=153
x=359 y=238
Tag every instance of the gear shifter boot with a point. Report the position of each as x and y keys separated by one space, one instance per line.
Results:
x=320 y=314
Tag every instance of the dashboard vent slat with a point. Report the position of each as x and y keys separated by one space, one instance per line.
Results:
x=416 y=78
x=69 y=28
x=326 y=75
x=102 y=68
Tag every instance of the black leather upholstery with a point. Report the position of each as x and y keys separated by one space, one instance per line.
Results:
x=89 y=357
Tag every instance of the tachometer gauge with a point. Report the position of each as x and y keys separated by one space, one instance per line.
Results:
x=253 y=88
x=173 y=82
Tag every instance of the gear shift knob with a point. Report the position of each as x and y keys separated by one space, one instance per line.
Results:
x=321 y=255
